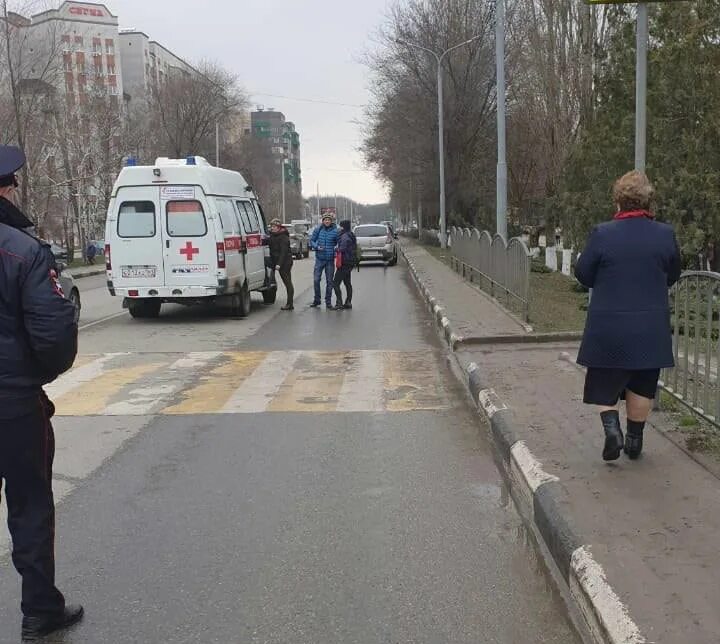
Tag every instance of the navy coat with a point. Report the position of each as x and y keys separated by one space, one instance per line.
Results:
x=38 y=332
x=630 y=265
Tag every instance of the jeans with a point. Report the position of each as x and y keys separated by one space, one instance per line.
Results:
x=326 y=266
x=343 y=276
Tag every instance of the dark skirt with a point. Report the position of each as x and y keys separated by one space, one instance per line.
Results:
x=607 y=386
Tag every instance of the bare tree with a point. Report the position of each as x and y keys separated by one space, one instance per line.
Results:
x=188 y=106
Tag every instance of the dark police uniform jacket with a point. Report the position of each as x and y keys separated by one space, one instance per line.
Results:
x=38 y=332
x=629 y=264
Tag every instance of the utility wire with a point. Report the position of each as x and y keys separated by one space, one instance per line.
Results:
x=308 y=100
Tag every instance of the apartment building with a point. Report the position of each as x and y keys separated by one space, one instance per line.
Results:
x=282 y=141
x=82 y=36
x=146 y=62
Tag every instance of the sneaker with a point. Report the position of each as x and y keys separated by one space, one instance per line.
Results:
x=288 y=307
x=315 y=305
x=34 y=628
x=347 y=306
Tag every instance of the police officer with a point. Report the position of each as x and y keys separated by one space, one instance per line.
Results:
x=38 y=342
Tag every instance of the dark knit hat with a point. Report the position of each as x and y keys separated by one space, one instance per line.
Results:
x=345 y=224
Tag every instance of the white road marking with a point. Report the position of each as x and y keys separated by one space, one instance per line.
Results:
x=101 y=320
x=145 y=400
x=602 y=608
x=263 y=384
x=363 y=384
x=77 y=377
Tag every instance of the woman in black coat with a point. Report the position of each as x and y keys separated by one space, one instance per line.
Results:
x=281 y=259
x=630 y=263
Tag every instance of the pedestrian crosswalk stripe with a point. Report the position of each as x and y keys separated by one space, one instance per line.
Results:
x=216 y=386
x=313 y=385
x=255 y=394
x=363 y=384
x=85 y=371
x=95 y=396
x=138 y=384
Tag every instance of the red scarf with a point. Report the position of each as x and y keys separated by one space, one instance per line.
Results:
x=633 y=214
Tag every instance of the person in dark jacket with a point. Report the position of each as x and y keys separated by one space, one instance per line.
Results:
x=323 y=242
x=629 y=263
x=346 y=247
x=281 y=258
x=38 y=342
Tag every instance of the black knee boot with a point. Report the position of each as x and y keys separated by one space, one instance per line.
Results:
x=634 y=439
x=613 y=435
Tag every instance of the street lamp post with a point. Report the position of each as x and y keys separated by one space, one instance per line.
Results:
x=441 y=126
x=641 y=87
x=282 y=174
x=501 y=199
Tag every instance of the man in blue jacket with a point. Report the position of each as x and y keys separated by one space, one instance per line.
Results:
x=38 y=342
x=323 y=242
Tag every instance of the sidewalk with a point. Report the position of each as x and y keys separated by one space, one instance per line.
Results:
x=636 y=542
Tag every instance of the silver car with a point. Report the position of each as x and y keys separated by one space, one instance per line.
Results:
x=69 y=288
x=299 y=240
x=376 y=243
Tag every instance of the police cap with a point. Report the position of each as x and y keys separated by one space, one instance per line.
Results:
x=12 y=159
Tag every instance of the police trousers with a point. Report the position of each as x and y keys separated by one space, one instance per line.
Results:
x=27 y=450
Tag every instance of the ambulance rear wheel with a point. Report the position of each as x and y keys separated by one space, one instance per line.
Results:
x=241 y=302
x=270 y=295
x=145 y=308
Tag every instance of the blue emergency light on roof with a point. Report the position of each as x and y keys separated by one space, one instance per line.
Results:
x=191 y=161
x=131 y=162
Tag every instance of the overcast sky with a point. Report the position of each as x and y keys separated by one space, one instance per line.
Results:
x=301 y=49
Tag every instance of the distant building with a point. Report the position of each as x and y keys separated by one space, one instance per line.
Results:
x=146 y=63
x=282 y=142
x=74 y=48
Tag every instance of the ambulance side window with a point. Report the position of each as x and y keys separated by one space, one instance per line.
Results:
x=136 y=219
x=186 y=219
x=248 y=227
x=227 y=218
x=261 y=214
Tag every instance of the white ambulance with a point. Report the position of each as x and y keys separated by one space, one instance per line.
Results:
x=185 y=232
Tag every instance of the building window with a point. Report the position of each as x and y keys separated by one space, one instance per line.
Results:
x=109 y=46
x=67 y=62
x=79 y=41
x=111 y=68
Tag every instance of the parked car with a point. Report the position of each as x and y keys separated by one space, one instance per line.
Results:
x=59 y=252
x=376 y=243
x=69 y=288
x=299 y=239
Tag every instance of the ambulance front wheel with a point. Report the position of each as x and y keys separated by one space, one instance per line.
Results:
x=144 y=308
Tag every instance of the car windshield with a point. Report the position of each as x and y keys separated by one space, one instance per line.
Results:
x=371 y=231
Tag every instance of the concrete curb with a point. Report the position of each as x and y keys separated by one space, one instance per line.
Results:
x=541 y=500
x=79 y=276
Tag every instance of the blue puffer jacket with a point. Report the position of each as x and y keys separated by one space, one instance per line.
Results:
x=323 y=241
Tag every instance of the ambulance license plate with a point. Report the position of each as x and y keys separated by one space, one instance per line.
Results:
x=139 y=271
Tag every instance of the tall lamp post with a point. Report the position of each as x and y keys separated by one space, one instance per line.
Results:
x=441 y=125
x=282 y=174
x=501 y=199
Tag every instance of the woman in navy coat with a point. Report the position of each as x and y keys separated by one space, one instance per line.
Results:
x=630 y=263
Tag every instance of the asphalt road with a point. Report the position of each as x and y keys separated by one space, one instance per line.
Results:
x=304 y=478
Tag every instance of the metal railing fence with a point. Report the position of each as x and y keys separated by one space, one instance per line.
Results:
x=500 y=269
x=695 y=318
